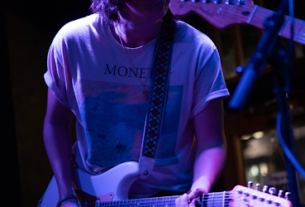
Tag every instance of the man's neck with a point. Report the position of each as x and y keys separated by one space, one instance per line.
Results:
x=135 y=33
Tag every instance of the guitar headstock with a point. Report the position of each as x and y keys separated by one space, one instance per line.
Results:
x=243 y=196
x=220 y=13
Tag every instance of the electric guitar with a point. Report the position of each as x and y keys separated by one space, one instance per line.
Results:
x=111 y=189
x=223 y=13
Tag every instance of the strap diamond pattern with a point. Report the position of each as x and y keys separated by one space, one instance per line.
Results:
x=159 y=88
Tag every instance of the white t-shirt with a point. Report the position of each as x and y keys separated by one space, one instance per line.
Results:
x=90 y=73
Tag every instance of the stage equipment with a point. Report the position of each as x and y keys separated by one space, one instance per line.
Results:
x=269 y=49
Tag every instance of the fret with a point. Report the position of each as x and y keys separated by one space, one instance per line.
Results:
x=204 y=200
x=139 y=202
x=259 y=17
x=223 y=199
x=252 y=14
x=213 y=195
x=299 y=26
x=149 y=200
x=160 y=201
x=224 y=15
x=166 y=204
x=170 y=201
x=300 y=35
x=156 y=203
x=164 y=201
x=287 y=19
x=285 y=31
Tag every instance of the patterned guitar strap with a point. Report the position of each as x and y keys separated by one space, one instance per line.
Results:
x=157 y=99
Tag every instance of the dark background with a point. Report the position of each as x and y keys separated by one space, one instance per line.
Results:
x=27 y=30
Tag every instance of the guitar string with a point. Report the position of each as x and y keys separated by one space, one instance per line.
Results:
x=168 y=200
x=150 y=202
x=164 y=199
x=171 y=204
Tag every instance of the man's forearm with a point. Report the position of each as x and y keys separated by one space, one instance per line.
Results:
x=207 y=168
x=57 y=140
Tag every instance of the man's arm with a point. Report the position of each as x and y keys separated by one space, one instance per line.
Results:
x=210 y=156
x=57 y=140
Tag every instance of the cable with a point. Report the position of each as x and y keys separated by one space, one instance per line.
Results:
x=285 y=148
x=291 y=40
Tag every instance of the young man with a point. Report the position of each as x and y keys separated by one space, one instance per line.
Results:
x=99 y=70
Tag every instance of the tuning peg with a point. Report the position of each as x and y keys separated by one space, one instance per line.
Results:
x=84 y=204
x=240 y=191
x=272 y=190
x=257 y=186
x=265 y=188
x=97 y=203
x=241 y=2
x=229 y=2
x=250 y=183
x=287 y=195
x=280 y=193
x=218 y=1
x=277 y=203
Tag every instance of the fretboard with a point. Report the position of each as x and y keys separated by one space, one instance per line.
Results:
x=219 y=199
x=260 y=15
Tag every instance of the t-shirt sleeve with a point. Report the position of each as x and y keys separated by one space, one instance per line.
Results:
x=57 y=76
x=209 y=82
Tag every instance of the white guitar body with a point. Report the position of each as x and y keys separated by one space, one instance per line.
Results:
x=112 y=185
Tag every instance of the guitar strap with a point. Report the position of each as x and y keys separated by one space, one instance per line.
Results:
x=157 y=99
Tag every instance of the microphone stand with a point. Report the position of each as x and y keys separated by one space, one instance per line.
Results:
x=269 y=49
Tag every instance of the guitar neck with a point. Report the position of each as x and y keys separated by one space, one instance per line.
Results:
x=207 y=200
x=223 y=15
x=259 y=14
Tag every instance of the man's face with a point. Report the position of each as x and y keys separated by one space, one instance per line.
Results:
x=151 y=10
